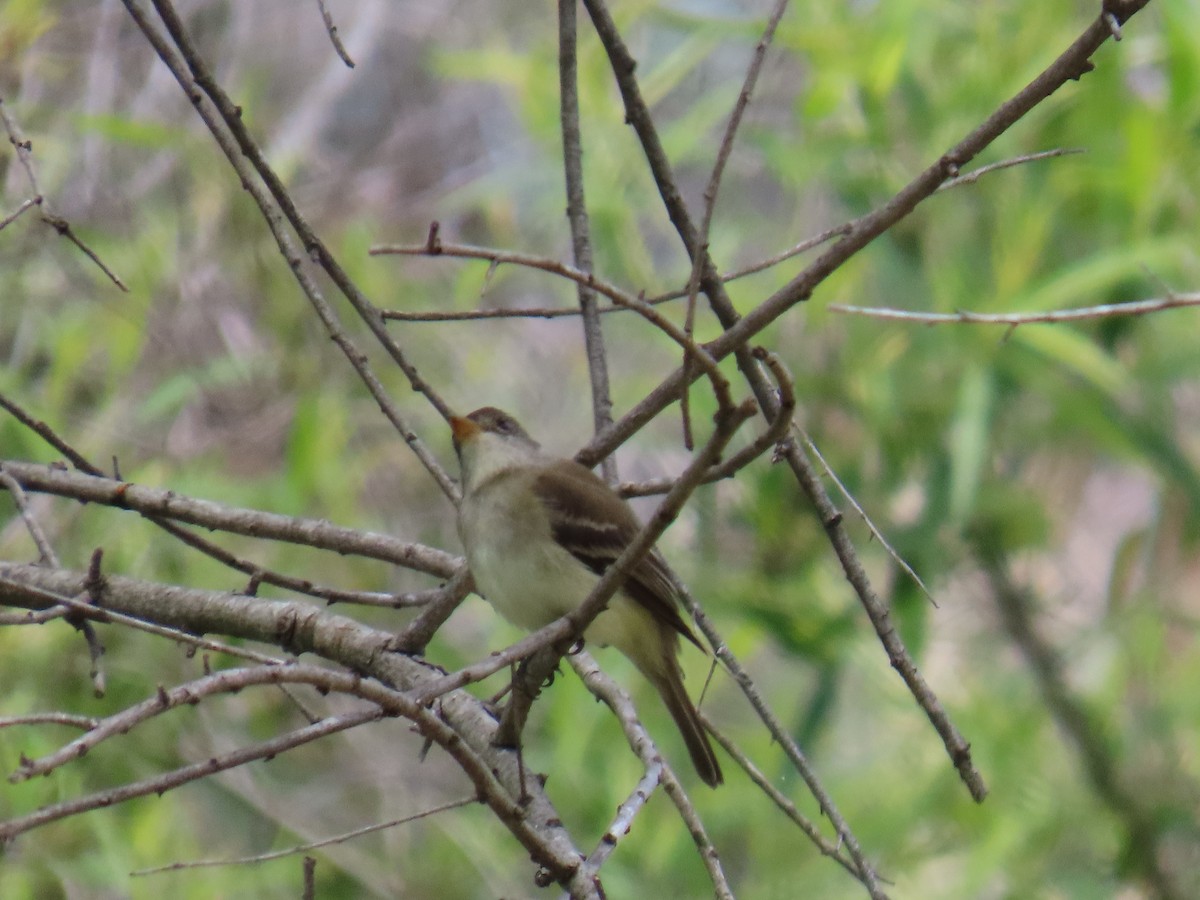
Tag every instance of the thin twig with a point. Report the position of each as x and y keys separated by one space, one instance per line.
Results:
x=21 y=210
x=700 y=259
x=108 y=616
x=332 y=31
x=862 y=869
x=656 y=772
x=24 y=148
x=48 y=434
x=160 y=784
x=40 y=617
x=49 y=558
x=435 y=247
x=550 y=265
x=52 y=718
x=774 y=436
x=546 y=264
x=13 y=486
x=1014 y=319
x=258 y=574
x=603 y=687
x=811 y=831
x=313 y=845
x=975 y=174
x=581 y=241
x=878 y=535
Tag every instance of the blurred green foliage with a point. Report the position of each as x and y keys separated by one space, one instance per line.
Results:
x=1069 y=450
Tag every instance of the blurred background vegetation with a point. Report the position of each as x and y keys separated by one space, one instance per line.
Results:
x=1061 y=460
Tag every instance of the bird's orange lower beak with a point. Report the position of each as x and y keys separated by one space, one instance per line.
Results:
x=463 y=428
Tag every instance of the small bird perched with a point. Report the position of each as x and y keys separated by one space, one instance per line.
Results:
x=539 y=531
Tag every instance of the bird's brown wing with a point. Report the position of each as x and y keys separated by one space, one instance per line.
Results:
x=595 y=526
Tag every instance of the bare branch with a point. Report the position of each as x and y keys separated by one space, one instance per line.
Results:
x=774 y=436
x=160 y=784
x=1013 y=319
x=875 y=532
x=314 y=845
x=48 y=434
x=656 y=772
x=46 y=553
x=21 y=210
x=50 y=718
x=702 y=258
x=334 y=39
x=258 y=574
x=581 y=241
x=975 y=174
x=24 y=148
x=832 y=850
x=64 y=605
x=1070 y=65
x=434 y=247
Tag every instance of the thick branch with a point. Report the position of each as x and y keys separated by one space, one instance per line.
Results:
x=301 y=628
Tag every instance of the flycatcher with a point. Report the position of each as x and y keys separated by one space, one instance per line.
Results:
x=539 y=531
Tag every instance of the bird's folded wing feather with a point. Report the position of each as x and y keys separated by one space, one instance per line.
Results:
x=595 y=525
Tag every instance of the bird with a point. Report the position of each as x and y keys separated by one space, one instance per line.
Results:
x=539 y=531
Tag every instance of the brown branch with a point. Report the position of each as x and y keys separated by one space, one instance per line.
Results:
x=50 y=718
x=64 y=605
x=1070 y=65
x=227 y=681
x=774 y=436
x=734 y=341
x=581 y=241
x=708 y=367
x=21 y=210
x=975 y=174
x=46 y=553
x=700 y=259
x=332 y=31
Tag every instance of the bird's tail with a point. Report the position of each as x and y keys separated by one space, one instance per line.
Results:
x=669 y=683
